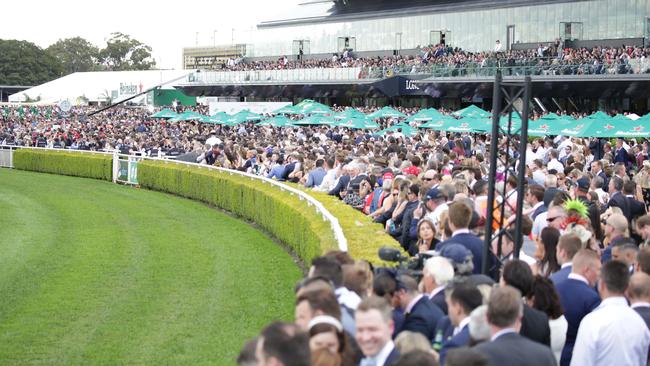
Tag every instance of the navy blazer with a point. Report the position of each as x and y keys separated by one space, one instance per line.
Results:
x=444 y=331
x=459 y=340
x=423 y=318
x=471 y=242
x=534 y=326
x=644 y=311
x=578 y=299
x=340 y=186
x=561 y=275
x=617 y=199
x=513 y=350
x=393 y=356
x=439 y=300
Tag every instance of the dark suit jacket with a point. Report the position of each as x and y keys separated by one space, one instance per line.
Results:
x=619 y=200
x=637 y=208
x=341 y=185
x=423 y=318
x=392 y=358
x=561 y=275
x=471 y=242
x=511 y=349
x=534 y=326
x=644 y=311
x=459 y=340
x=578 y=299
x=621 y=156
x=439 y=301
x=605 y=180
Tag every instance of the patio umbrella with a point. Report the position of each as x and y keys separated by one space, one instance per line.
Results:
x=387 y=112
x=287 y=109
x=165 y=113
x=425 y=115
x=472 y=111
x=359 y=123
x=246 y=115
x=403 y=127
x=349 y=113
x=315 y=120
x=277 y=121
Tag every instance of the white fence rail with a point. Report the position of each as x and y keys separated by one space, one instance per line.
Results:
x=125 y=170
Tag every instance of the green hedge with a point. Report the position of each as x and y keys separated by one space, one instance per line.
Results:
x=289 y=219
x=88 y=165
x=364 y=236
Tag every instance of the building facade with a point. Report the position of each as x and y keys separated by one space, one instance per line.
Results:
x=474 y=25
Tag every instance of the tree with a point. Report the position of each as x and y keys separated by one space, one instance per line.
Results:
x=75 y=54
x=124 y=53
x=24 y=63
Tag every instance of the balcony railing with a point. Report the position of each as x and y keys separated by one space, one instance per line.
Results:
x=275 y=76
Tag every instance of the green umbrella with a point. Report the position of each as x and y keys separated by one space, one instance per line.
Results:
x=472 y=111
x=314 y=121
x=634 y=129
x=317 y=109
x=287 y=109
x=277 y=121
x=189 y=116
x=621 y=118
x=359 y=123
x=246 y=115
x=406 y=129
x=425 y=115
x=439 y=124
x=165 y=113
x=220 y=115
x=601 y=116
x=349 y=113
x=387 y=112
x=596 y=127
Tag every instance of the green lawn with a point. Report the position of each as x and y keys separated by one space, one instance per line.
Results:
x=93 y=273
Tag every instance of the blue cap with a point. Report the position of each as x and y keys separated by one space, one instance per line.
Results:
x=456 y=253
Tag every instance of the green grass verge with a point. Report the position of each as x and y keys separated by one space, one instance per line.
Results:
x=79 y=164
x=93 y=273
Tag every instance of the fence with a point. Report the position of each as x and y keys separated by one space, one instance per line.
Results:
x=125 y=170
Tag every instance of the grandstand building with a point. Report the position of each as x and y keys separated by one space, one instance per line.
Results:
x=385 y=28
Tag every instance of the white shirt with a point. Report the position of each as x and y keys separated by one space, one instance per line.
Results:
x=532 y=210
x=558 y=335
x=434 y=216
x=381 y=356
x=612 y=334
x=555 y=164
x=436 y=291
x=539 y=224
x=462 y=325
x=575 y=276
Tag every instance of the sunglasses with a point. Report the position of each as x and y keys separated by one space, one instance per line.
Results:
x=427 y=179
x=551 y=219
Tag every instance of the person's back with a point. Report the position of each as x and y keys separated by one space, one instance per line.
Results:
x=613 y=334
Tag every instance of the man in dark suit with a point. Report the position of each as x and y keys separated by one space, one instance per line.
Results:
x=374 y=326
x=460 y=216
x=617 y=198
x=578 y=297
x=436 y=273
x=535 y=198
x=534 y=324
x=639 y=295
x=616 y=227
x=597 y=171
x=637 y=208
x=620 y=154
x=463 y=299
x=420 y=314
x=507 y=347
x=567 y=247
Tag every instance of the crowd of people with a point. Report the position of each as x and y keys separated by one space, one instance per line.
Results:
x=577 y=291
x=550 y=59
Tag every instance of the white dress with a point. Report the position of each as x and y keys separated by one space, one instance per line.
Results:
x=558 y=335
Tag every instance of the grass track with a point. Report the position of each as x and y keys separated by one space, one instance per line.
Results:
x=95 y=273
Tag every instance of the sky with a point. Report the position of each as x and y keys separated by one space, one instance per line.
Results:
x=166 y=26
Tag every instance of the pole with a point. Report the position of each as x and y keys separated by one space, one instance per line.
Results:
x=496 y=111
x=521 y=176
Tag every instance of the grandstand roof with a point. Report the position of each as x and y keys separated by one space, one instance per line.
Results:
x=97 y=86
x=318 y=11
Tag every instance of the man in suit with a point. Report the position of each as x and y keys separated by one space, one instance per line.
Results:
x=567 y=247
x=507 y=347
x=612 y=334
x=534 y=323
x=637 y=208
x=620 y=154
x=460 y=216
x=535 y=197
x=420 y=314
x=374 y=324
x=462 y=300
x=617 y=198
x=578 y=297
x=597 y=171
x=639 y=295
x=616 y=227
x=437 y=272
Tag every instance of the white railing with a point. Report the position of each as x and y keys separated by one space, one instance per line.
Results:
x=6 y=161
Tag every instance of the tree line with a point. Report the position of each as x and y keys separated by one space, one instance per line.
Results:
x=24 y=63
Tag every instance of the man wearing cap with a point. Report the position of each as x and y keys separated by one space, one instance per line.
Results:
x=213 y=157
x=436 y=204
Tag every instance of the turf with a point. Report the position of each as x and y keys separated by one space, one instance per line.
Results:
x=94 y=273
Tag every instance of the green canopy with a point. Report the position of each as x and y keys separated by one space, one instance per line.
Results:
x=613 y=128
x=188 y=116
x=387 y=112
x=220 y=115
x=359 y=123
x=349 y=113
x=439 y=124
x=425 y=115
x=277 y=121
x=317 y=108
x=287 y=109
x=633 y=129
x=315 y=120
x=601 y=116
x=621 y=118
x=472 y=111
x=165 y=113
x=246 y=115
x=405 y=129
